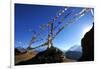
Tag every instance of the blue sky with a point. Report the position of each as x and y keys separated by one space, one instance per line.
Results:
x=30 y=17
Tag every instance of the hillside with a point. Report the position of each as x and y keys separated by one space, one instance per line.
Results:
x=88 y=46
x=24 y=56
x=51 y=55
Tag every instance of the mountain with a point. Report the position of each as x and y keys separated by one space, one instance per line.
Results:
x=76 y=48
x=21 y=49
x=17 y=51
x=87 y=44
x=74 y=55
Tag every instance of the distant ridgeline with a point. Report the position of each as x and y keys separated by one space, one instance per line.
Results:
x=74 y=54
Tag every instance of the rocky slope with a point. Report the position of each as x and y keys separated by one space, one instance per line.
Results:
x=23 y=56
x=51 y=55
x=87 y=44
